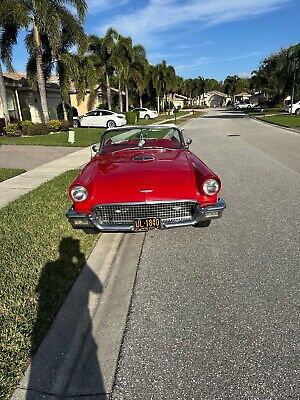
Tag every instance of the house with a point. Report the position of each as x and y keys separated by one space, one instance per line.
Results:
x=178 y=100
x=240 y=97
x=24 y=102
x=216 y=99
x=12 y=97
x=92 y=99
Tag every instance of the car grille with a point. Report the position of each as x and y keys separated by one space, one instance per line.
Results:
x=169 y=212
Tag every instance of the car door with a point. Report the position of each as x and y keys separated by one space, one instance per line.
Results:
x=107 y=116
x=90 y=119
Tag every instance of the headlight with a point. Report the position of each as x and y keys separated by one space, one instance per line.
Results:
x=79 y=193
x=211 y=187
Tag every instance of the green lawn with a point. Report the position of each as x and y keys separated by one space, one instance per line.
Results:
x=40 y=257
x=83 y=138
x=6 y=173
x=197 y=114
x=162 y=117
x=290 y=121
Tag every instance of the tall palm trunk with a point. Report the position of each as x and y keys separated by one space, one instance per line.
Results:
x=40 y=75
x=126 y=98
x=141 y=100
x=158 y=104
x=3 y=97
x=120 y=97
x=108 y=92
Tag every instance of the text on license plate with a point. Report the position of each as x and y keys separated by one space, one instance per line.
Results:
x=144 y=224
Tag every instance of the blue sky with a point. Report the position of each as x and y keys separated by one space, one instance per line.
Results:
x=211 y=38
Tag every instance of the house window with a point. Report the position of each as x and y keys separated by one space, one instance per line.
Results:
x=11 y=104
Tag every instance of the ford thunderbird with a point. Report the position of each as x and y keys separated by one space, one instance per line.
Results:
x=142 y=178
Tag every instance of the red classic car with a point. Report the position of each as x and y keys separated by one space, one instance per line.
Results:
x=141 y=178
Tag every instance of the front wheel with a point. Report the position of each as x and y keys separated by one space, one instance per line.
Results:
x=76 y=123
x=147 y=116
x=111 y=124
x=249 y=107
x=203 y=224
x=297 y=111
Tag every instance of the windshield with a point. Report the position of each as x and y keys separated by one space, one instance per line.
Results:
x=141 y=138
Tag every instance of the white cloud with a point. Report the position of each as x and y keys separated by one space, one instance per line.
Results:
x=162 y=15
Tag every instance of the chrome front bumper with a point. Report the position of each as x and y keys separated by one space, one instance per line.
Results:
x=82 y=221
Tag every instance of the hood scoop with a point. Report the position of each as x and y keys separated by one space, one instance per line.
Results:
x=143 y=158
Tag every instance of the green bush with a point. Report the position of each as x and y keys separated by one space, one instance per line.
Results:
x=2 y=126
x=65 y=125
x=13 y=130
x=131 y=117
x=26 y=115
x=54 y=125
x=24 y=125
x=38 y=129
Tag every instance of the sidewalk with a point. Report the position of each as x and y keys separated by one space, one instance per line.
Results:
x=15 y=187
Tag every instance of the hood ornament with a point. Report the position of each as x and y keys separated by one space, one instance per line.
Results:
x=146 y=190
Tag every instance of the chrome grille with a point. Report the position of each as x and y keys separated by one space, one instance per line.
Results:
x=125 y=213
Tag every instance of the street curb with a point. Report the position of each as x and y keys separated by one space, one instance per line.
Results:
x=272 y=124
x=49 y=372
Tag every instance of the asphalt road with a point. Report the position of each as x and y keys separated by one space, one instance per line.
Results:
x=215 y=311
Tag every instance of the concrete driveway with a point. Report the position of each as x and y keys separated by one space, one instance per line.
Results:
x=29 y=157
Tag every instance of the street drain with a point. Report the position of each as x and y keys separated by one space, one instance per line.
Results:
x=233 y=135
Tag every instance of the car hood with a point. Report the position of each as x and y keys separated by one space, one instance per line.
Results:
x=138 y=176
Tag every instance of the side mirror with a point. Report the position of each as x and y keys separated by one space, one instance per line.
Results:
x=95 y=148
x=188 y=142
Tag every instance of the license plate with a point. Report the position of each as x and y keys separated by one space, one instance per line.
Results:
x=145 y=224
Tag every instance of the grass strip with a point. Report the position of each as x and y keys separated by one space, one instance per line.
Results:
x=40 y=259
x=7 y=173
x=289 y=121
x=83 y=138
x=198 y=114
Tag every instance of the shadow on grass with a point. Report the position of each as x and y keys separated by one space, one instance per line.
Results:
x=51 y=371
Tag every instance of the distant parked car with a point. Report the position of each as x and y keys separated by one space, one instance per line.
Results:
x=99 y=119
x=295 y=108
x=244 y=106
x=146 y=113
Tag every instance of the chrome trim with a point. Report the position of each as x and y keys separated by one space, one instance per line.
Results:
x=201 y=214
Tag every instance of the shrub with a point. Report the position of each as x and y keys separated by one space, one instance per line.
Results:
x=2 y=126
x=38 y=129
x=131 y=117
x=64 y=125
x=26 y=115
x=13 y=130
x=54 y=125
x=24 y=125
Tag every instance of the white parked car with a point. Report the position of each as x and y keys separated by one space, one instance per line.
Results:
x=99 y=119
x=244 y=106
x=295 y=108
x=146 y=113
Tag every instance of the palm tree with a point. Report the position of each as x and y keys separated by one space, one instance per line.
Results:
x=46 y=21
x=158 y=73
x=140 y=70
x=11 y=20
x=230 y=85
x=103 y=50
x=201 y=86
